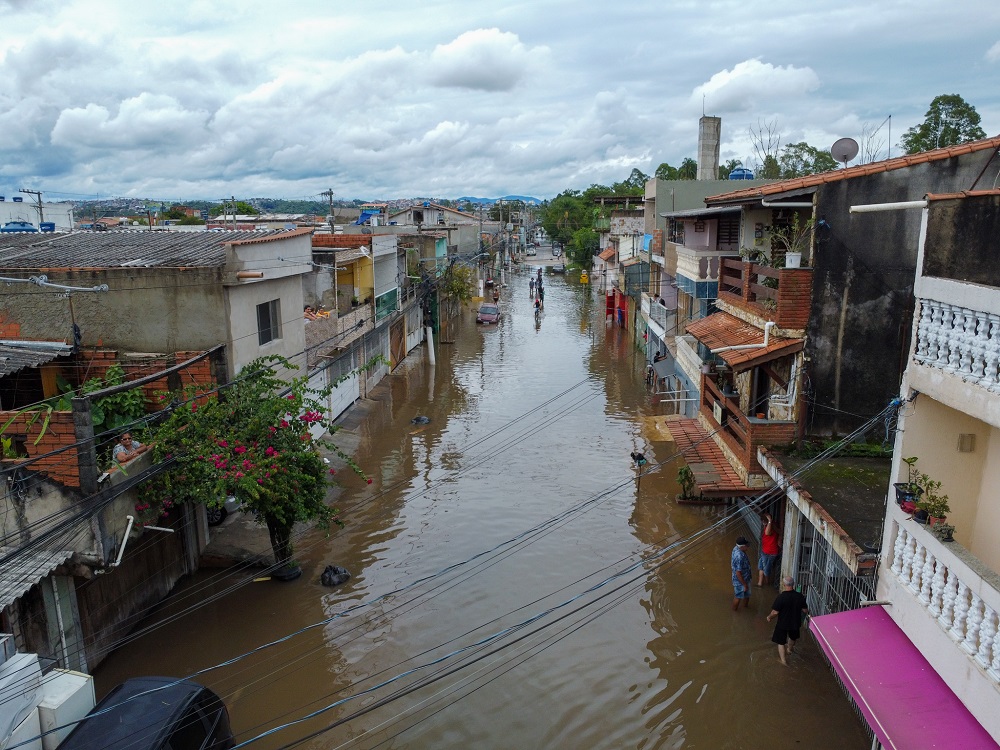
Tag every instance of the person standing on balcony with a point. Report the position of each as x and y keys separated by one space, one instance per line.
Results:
x=789 y=607
x=126 y=449
x=770 y=548
x=740 y=563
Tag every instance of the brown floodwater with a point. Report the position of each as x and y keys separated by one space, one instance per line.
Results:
x=513 y=585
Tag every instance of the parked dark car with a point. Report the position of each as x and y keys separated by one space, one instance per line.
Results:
x=488 y=314
x=183 y=716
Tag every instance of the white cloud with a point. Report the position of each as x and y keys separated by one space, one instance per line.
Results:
x=147 y=121
x=483 y=59
x=993 y=53
x=752 y=85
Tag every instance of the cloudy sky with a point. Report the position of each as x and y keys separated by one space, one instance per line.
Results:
x=197 y=99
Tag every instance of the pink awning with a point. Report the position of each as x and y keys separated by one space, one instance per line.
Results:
x=904 y=701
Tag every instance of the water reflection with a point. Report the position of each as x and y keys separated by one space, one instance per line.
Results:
x=529 y=422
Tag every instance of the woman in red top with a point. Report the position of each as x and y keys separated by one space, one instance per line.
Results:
x=770 y=548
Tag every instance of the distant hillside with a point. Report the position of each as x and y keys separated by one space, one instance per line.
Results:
x=490 y=201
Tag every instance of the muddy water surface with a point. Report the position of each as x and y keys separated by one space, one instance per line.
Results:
x=522 y=480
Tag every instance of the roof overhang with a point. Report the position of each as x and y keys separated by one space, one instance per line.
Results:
x=720 y=330
x=17 y=355
x=905 y=702
x=607 y=254
x=25 y=569
x=695 y=213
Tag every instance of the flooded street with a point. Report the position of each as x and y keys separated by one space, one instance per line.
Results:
x=496 y=525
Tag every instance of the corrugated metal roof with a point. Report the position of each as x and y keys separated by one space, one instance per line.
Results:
x=14 y=358
x=25 y=570
x=115 y=249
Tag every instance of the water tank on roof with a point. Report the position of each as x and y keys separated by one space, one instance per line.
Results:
x=18 y=199
x=741 y=173
x=47 y=226
x=2 y=199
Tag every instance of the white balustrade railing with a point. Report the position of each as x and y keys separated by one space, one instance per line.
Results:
x=960 y=341
x=972 y=623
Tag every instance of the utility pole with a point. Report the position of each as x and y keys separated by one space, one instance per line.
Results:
x=38 y=199
x=329 y=194
x=234 y=212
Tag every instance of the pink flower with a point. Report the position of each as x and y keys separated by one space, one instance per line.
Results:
x=238 y=474
x=247 y=463
x=284 y=423
x=333 y=471
x=290 y=396
x=369 y=480
x=260 y=481
x=223 y=444
x=194 y=406
x=240 y=449
x=270 y=451
x=272 y=430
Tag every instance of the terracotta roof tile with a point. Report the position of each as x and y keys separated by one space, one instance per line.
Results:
x=722 y=329
x=713 y=474
x=607 y=254
x=887 y=165
x=962 y=194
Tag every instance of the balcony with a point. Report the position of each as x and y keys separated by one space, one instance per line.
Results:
x=783 y=295
x=741 y=434
x=948 y=603
x=656 y=312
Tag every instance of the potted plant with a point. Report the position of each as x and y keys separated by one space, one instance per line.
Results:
x=932 y=502
x=793 y=238
x=944 y=531
x=910 y=490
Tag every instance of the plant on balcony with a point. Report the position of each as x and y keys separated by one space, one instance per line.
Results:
x=933 y=503
x=944 y=531
x=910 y=490
x=793 y=238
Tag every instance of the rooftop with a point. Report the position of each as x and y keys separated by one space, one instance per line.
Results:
x=93 y=250
x=859 y=170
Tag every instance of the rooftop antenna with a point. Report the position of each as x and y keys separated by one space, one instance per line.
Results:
x=844 y=150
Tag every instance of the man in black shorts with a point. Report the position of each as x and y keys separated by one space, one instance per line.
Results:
x=789 y=607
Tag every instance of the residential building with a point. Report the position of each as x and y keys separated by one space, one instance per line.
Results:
x=922 y=662
x=166 y=291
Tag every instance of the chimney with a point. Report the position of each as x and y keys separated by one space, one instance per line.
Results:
x=709 y=135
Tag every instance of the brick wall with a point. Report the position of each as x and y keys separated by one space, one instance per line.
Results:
x=62 y=466
x=9 y=329
x=59 y=432
x=341 y=240
x=794 y=298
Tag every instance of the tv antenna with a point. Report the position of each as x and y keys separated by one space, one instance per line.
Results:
x=844 y=150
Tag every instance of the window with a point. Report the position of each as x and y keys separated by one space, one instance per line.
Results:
x=268 y=321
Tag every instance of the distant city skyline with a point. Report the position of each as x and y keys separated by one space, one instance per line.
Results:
x=445 y=98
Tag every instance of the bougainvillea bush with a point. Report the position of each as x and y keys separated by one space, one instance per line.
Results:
x=253 y=439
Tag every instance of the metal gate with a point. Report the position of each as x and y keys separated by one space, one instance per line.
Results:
x=829 y=584
x=397 y=342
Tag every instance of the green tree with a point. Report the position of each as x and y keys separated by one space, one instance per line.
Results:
x=566 y=213
x=242 y=207
x=634 y=184
x=582 y=247
x=950 y=120
x=770 y=169
x=800 y=159
x=253 y=443
x=174 y=212
x=456 y=286
x=190 y=221
x=666 y=172
x=688 y=169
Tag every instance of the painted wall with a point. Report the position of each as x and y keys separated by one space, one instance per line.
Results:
x=242 y=304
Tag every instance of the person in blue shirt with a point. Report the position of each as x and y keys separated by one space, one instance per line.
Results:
x=740 y=563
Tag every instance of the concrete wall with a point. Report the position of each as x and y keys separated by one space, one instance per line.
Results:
x=148 y=309
x=242 y=304
x=862 y=301
x=709 y=136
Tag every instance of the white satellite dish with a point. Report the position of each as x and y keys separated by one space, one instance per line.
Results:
x=844 y=150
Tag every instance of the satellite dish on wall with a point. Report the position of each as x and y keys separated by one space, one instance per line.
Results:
x=844 y=150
